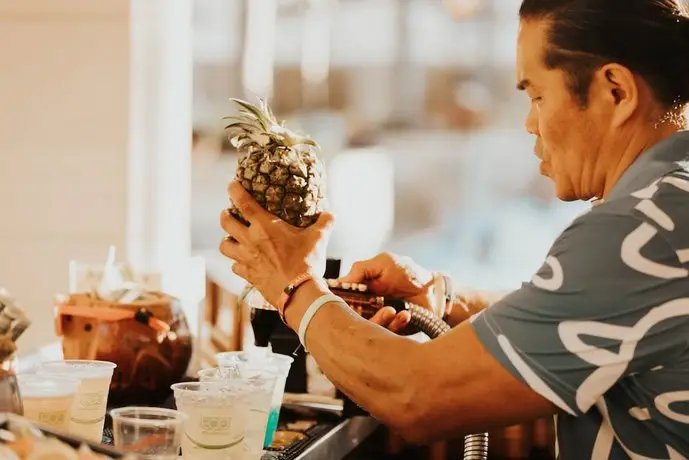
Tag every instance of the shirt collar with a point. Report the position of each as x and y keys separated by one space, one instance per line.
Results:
x=652 y=164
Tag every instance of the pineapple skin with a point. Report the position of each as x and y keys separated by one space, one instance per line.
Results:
x=280 y=169
x=292 y=191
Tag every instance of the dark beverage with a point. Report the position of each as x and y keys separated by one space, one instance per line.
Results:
x=264 y=322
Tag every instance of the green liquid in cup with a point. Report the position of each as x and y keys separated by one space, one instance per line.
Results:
x=272 y=426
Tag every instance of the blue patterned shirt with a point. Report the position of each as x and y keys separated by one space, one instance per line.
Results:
x=602 y=330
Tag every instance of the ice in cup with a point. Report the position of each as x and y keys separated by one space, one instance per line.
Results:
x=48 y=400
x=261 y=385
x=217 y=417
x=90 y=402
x=262 y=359
x=152 y=433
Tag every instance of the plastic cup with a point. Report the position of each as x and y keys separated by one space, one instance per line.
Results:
x=262 y=386
x=90 y=402
x=217 y=417
x=283 y=365
x=47 y=399
x=152 y=433
x=262 y=359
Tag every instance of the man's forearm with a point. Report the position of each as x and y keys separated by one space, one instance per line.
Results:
x=362 y=359
x=424 y=391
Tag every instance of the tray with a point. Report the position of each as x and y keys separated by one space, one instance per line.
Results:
x=7 y=419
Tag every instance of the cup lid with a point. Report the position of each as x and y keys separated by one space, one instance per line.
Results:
x=81 y=369
x=36 y=386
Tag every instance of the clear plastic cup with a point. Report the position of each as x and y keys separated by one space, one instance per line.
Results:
x=217 y=417
x=262 y=384
x=152 y=433
x=48 y=399
x=91 y=400
x=262 y=359
x=283 y=365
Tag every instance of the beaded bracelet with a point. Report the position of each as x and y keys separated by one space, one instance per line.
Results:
x=287 y=293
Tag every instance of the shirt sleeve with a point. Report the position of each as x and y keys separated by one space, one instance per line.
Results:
x=606 y=303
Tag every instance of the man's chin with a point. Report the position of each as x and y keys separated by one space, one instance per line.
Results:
x=563 y=191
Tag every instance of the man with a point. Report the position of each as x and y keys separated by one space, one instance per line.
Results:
x=600 y=335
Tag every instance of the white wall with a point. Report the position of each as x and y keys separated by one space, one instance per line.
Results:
x=64 y=106
x=95 y=140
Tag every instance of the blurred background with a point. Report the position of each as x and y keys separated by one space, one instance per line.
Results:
x=111 y=134
x=414 y=104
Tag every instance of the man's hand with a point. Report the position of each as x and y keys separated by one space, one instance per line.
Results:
x=270 y=252
x=395 y=276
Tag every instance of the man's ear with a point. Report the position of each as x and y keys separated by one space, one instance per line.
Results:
x=616 y=87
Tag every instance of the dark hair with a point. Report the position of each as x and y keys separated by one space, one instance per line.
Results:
x=649 y=37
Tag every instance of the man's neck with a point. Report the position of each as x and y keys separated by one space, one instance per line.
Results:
x=635 y=145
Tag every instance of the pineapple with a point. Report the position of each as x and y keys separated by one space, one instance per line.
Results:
x=277 y=166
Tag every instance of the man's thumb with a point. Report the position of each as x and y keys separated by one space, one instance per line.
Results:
x=325 y=222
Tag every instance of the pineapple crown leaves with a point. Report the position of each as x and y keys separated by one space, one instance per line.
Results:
x=256 y=127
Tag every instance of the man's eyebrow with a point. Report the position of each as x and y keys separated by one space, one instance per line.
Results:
x=523 y=84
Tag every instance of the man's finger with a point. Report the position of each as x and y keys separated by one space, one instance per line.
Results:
x=233 y=250
x=233 y=226
x=248 y=207
x=384 y=316
x=400 y=321
x=361 y=271
x=241 y=271
x=325 y=222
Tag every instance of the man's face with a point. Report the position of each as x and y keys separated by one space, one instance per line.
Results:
x=568 y=137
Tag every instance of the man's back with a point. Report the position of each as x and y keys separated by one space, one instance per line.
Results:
x=602 y=329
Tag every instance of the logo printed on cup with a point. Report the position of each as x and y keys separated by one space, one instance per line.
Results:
x=92 y=400
x=216 y=425
x=52 y=418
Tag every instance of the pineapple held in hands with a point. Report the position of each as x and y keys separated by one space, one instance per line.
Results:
x=277 y=166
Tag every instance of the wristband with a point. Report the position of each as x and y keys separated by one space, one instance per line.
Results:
x=444 y=295
x=438 y=294
x=311 y=311
x=449 y=296
x=287 y=293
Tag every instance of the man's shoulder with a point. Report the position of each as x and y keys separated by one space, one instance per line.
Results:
x=661 y=207
x=633 y=240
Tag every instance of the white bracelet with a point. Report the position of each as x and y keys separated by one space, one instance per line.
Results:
x=439 y=292
x=311 y=311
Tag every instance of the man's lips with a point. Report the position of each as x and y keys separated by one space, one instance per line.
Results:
x=544 y=167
